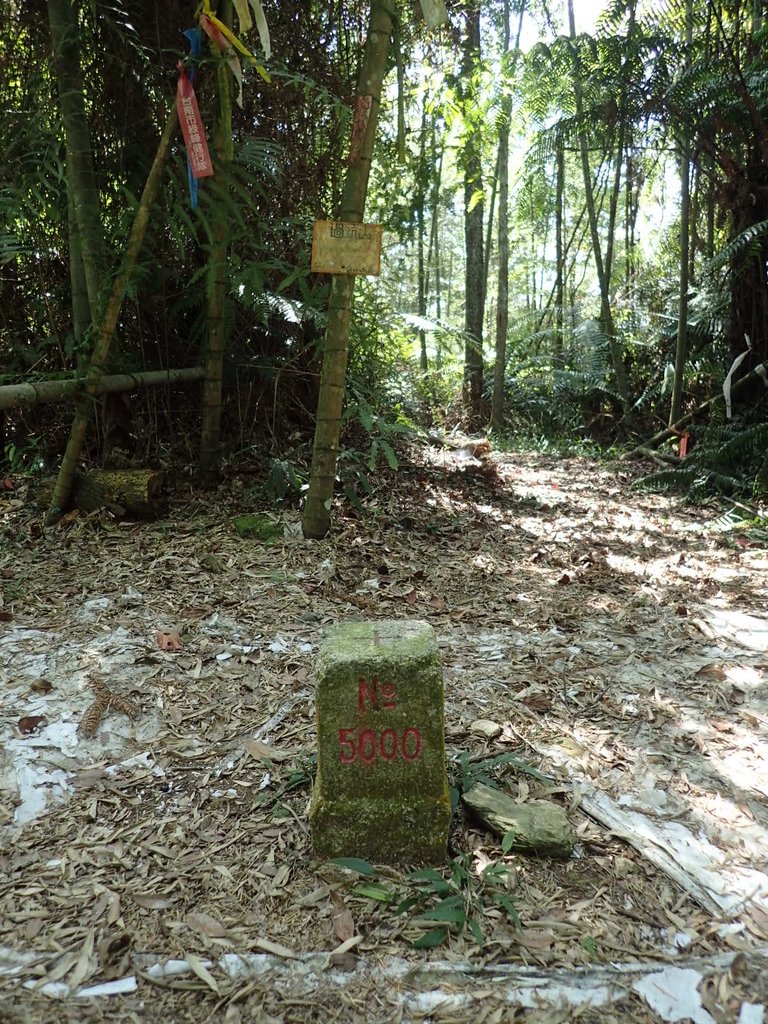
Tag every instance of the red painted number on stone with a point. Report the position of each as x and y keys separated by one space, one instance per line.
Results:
x=347 y=744
x=388 y=745
x=366 y=746
x=415 y=746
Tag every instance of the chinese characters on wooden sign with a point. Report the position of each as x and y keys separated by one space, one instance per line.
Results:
x=344 y=247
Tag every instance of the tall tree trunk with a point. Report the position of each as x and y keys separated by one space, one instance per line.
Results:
x=559 y=253
x=571 y=240
x=317 y=511
x=694 y=234
x=488 y=247
x=606 y=312
x=421 y=297
x=613 y=203
x=613 y=199
x=81 y=313
x=449 y=289
x=81 y=176
x=709 y=243
x=681 y=348
x=502 y=298
x=633 y=185
x=473 y=225
x=218 y=278
x=433 y=253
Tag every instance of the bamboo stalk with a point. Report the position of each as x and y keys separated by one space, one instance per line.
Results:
x=317 y=510
x=46 y=392
x=84 y=401
x=218 y=282
x=82 y=189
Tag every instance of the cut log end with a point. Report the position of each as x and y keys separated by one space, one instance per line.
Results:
x=125 y=493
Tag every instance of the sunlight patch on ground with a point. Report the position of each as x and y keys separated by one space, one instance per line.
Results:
x=37 y=767
x=745 y=676
x=546 y=494
x=746 y=768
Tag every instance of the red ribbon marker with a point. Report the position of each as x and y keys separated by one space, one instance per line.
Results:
x=192 y=127
x=215 y=34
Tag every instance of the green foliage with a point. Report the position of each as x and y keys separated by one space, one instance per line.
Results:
x=287 y=168
x=747 y=244
x=27 y=456
x=642 y=85
x=668 y=479
x=729 y=459
x=488 y=771
x=362 y=867
x=285 y=481
x=545 y=400
x=438 y=903
x=369 y=441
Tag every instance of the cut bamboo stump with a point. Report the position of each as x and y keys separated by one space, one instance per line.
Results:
x=538 y=826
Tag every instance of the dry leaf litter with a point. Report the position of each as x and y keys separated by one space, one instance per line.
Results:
x=602 y=649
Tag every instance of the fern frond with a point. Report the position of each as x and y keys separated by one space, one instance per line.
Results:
x=744 y=444
x=748 y=243
x=667 y=479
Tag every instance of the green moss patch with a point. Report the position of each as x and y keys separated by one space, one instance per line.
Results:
x=258 y=527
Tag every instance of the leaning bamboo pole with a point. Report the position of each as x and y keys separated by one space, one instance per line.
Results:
x=42 y=392
x=84 y=401
x=759 y=372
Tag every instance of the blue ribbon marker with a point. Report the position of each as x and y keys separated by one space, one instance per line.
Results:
x=195 y=39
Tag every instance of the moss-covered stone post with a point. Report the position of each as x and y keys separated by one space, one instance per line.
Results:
x=381 y=791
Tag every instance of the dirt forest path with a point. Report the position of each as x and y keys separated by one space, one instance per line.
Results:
x=603 y=648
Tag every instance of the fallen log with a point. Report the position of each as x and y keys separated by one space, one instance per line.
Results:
x=14 y=396
x=126 y=493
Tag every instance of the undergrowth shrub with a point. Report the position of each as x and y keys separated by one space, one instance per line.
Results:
x=729 y=459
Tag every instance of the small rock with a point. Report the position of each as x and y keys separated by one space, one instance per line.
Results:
x=486 y=728
x=539 y=826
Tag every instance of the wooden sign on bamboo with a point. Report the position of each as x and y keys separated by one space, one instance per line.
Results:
x=346 y=247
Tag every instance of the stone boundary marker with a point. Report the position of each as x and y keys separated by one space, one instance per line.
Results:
x=381 y=791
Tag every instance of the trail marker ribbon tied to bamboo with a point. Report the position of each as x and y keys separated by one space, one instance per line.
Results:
x=226 y=42
x=192 y=127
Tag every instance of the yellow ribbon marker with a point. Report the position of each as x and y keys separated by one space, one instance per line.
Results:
x=230 y=36
x=262 y=27
x=243 y=15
